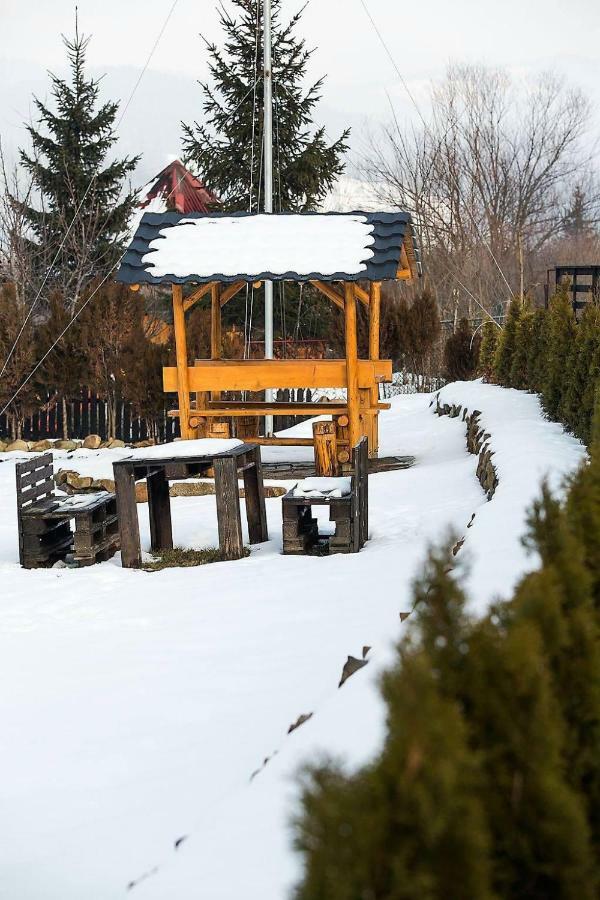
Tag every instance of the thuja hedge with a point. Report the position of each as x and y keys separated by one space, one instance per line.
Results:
x=549 y=352
x=488 y=784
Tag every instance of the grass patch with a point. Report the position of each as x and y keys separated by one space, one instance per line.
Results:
x=180 y=558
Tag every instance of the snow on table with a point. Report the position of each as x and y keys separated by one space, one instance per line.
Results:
x=200 y=447
x=250 y=245
x=323 y=487
x=136 y=706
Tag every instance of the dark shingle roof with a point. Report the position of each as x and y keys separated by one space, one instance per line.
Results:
x=391 y=230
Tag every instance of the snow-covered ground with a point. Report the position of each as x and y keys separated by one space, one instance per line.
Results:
x=136 y=706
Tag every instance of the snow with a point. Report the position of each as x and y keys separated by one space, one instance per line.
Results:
x=323 y=487
x=201 y=447
x=251 y=245
x=527 y=448
x=137 y=706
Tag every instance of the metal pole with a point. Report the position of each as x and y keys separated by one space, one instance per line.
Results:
x=268 y=176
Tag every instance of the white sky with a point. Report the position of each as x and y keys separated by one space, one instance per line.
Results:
x=526 y=36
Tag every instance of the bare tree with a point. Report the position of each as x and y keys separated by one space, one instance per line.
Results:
x=486 y=178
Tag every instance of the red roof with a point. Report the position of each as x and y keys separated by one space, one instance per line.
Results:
x=181 y=191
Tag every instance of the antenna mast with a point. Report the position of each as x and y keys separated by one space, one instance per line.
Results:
x=268 y=180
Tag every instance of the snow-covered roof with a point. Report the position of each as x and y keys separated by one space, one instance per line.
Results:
x=173 y=248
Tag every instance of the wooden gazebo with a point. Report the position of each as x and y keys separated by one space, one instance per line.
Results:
x=217 y=255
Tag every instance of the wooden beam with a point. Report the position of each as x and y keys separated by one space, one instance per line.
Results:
x=362 y=295
x=259 y=374
x=197 y=295
x=329 y=292
x=183 y=385
x=351 y=363
x=229 y=292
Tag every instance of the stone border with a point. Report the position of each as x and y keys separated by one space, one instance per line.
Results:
x=478 y=443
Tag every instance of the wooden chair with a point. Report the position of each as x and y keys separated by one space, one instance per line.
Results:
x=44 y=520
x=350 y=514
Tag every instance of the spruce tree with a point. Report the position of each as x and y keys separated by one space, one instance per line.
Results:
x=507 y=343
x=490 y=334
x=536 y=367
x=560 y=338
x=559 y=600
x=461 y=353
x=73 y=173
x=226 y=146
x=519 y=375
x=411 y=826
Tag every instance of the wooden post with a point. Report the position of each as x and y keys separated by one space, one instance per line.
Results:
x=215 y=328
x=351 y=364
x=231 y=540
x=255 y=499
x=129 y=527
x=159 y=511
x=326 y=463
x=183 y=385
x=374 y=327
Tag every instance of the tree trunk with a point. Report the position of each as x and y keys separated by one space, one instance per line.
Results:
x=65 y=419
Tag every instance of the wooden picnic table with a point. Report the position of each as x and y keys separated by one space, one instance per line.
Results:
x=242 y=461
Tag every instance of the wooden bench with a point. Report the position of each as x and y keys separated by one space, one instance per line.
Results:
x=44 y=520
x=350 y=514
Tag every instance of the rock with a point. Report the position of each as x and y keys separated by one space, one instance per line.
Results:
x=20 y=446
x=60 y=477
x=351 y=666
x=299 y=721
x=104 y=484
x=79 y=482
x=65 y=445
x=115 y=443
x=92 y=442
x=41 y=446
x=2 y=446
x=103 y=445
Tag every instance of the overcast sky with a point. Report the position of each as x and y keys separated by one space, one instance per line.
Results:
x=526 y=36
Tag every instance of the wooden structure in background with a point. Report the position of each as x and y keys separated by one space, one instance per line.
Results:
x=241 y=461
x=350 y=514
x=583 y=282
x=44 y=520
x=388 y=253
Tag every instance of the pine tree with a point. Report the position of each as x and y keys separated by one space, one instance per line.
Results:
x=577 y=405
x=559 y=600
x=461 y=353
x=226 y=148
x=411 y=826
x=71 y=171
x=507 y=343
x=490 y=334
x=536 y=367
x=561 y=336
x=518 y=377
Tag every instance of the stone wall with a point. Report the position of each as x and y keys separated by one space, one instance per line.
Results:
x=478 y=443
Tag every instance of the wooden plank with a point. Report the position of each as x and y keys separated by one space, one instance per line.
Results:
x=259 y=374
x=215 y=330
x=351 y=363
x=330 y=292
x=255 y=499
x=228 y=508
x=326 y=462
x=198 y=294
x=229 y=292
x=183 y=387
x=282 y=442
x=44 y=473
x=129 y=526
x=159 y=511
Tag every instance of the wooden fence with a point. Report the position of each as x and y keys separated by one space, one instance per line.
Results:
x=87 y=414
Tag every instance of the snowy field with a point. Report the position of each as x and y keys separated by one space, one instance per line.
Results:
x=136 y=706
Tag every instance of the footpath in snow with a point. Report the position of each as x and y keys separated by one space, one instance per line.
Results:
x=137 y=706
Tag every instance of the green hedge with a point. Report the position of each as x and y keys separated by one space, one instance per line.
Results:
x=548 y=352
x=488 y=785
